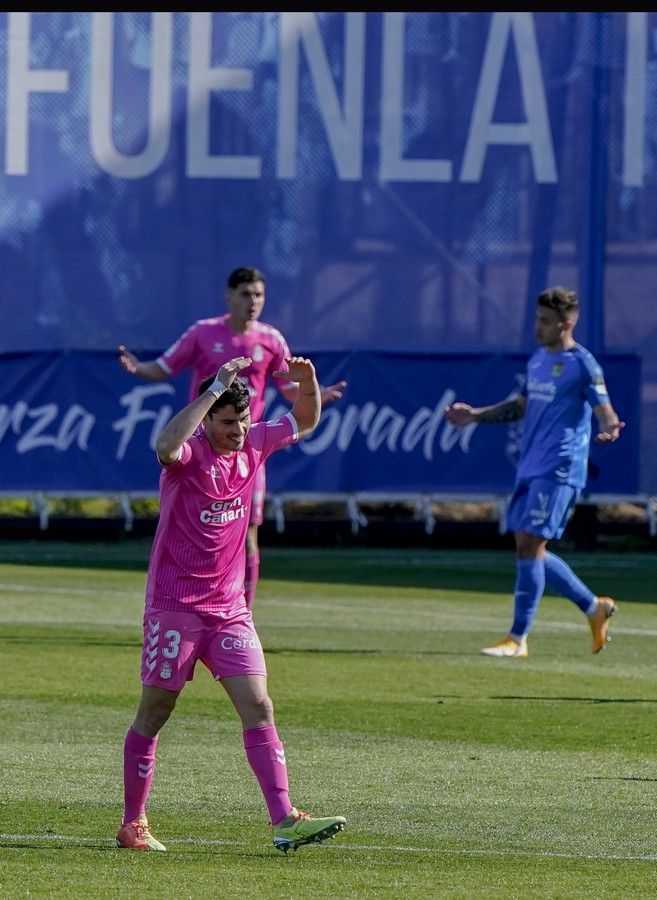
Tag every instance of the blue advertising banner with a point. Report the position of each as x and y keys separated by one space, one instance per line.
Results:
x=407 y=181
x=77 y=422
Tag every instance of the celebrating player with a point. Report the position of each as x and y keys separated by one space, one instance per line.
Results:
x=210 y=342
x=195 y=606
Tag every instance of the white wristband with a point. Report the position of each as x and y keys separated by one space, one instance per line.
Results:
x=217 y=387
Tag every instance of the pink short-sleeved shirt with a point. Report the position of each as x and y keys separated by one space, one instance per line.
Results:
x=209 y=343
x=198 y=555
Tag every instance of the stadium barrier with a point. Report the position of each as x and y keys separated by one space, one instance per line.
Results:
x=352 y=504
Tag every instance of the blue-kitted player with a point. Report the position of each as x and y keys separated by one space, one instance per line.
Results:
x=564 y=384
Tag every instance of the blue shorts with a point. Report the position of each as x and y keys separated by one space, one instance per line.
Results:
x=541 y=506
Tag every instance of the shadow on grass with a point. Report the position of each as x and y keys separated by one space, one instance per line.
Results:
x=533 y=699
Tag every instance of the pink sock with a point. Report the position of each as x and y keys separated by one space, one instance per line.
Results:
x=251 y=578
x=138 y=770
x=266 y=756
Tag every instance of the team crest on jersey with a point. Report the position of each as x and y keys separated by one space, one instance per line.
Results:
x=165 y=671
x=257 y=355
x=218 y=347
x=242 y=466
x=557 y=369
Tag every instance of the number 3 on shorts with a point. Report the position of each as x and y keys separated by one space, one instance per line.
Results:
x=174 y=644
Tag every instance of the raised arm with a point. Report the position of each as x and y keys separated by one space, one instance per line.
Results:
x=609 y=423
x=183 y=425
x=508 y=410
x=327 y=394
x=149 y=370
x=307 y=403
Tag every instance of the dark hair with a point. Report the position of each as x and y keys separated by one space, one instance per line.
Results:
x=237 y=395
x=244 y=276
x=562 y=301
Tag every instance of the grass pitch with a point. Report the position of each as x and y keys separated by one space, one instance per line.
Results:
x=460 y=776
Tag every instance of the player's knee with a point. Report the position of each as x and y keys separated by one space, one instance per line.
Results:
x=152 y=716
x=262 y=709
x=529 y=545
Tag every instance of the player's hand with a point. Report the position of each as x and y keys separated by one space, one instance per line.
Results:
x=609 y=434
x=298 y=369
x=228 y=372
x=332 y=392
x=127 y=360
x=459 y=414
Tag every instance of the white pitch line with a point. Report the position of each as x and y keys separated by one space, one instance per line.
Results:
x=448 y=622
x=91 y=842
x=44 y=590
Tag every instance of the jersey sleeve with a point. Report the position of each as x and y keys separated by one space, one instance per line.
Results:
x=267 y=437
x=184 y=457
x=522 y=389
x=181 y=353
x=594 y=386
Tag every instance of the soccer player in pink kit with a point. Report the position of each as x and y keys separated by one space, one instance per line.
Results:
x=210 y=342
x=195 y=605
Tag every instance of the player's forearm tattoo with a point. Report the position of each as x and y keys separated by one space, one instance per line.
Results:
x=505 y=412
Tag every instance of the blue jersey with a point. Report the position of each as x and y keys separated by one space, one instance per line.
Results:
x=561 y=389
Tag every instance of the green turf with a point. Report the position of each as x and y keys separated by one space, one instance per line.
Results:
x=460 y=776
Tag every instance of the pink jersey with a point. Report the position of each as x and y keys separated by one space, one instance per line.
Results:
x=198 y=555
x=209 y=343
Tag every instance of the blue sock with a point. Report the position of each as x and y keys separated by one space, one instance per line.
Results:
x=560 y=576
x=530 y=584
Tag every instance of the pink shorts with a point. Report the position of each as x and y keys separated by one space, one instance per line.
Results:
x=173 y=642
x=258 y=499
